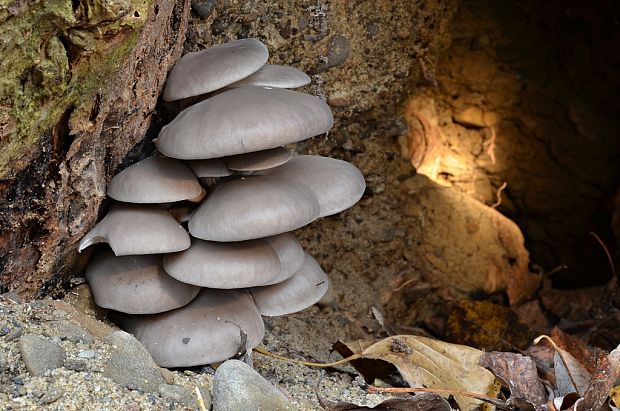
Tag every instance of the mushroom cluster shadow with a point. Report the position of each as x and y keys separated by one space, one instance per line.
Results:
x=200 y=242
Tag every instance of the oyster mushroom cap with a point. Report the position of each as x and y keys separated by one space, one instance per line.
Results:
x=207 y=330
x=290 y=254
x=244 y=120
x=259 y=160
x=337 y=184
x=132 y=229
x=208 y=70
x=155 y=180
x=299 y=292
x=213 y=167
x=135 y=284
x=224 y=265
x=253 y=207
x=275 y=75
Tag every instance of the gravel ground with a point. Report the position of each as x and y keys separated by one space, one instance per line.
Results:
x=80 y=384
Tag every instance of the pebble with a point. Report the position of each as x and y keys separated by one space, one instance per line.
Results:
x=60 y=314
x=75 y=364
x=40 y=354
x=339 y=50
x=51 y=396
x=236 y=386
x=184 y=396
x=71 y=332
x=14 y=334
x=11 y=295
x=131 y=364
x=167 y=375
x=218 y=26
x=203 y=8
x=87 y=354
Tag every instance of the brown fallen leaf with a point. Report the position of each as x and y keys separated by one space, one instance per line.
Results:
x=570 y=375
x=424 y=362
x=603 y=379
x=488 y=326
x=421 y=402
x=519 y=374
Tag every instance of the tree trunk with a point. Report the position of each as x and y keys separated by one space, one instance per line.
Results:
x=79 y=89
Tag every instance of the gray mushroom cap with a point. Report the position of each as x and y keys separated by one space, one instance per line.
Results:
x=132 y=229
x=155 y=180
x=290 y=254
x=275 y=75
x=297 y=293
x=205 y=331
x=214 y=68
x=253 y=207
x=243 y=120
x=337 y=184
x=136 y=284
x=213 y=167
x=259 y=160
x=224 y=265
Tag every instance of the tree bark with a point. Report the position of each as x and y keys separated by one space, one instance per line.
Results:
x=75 y=124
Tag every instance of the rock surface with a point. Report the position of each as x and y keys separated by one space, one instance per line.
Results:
x=130 y=364
x=71 y=332
x=40 y=354
x=237 y=386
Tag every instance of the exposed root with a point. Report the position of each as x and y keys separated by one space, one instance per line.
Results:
x=499 y=195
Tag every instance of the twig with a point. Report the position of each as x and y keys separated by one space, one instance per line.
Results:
x=491 y=144
x=201 y=401
x=499 y=195
x=555 y=270
x=306 y=363
x=609 y=259
x=498 y=403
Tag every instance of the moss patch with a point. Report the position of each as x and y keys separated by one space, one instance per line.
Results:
x=57 y=54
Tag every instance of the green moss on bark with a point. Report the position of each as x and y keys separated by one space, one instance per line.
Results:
x=57 y=54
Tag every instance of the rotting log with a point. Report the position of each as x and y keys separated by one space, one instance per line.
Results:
x=78 y=91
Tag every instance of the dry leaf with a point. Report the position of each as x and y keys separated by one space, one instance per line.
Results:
x=603 y=379
x=420 y=402
x=519 y=374
x=424 y=362
x=570 y=375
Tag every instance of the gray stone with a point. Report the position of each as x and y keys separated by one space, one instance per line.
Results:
x=87 y=354
x=14 y=334
x=70 y=331
x=203 y=8
x=51 y=396
x=40 y=355
x=236 y=386
x=131 y=364
x=184 y=396
x=75 y=364
x=339 y=50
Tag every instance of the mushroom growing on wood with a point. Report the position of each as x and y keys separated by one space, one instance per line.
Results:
x=239 y=236
x=212 y=328
x=243 y=120
x=138 y=229
x=306 y=287
x=155 y=180
x=208 y=70
x=136 y=284
x=253 y=207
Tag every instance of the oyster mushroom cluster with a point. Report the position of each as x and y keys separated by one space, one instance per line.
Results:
x=200 y=233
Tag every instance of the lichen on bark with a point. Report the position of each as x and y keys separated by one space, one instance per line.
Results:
x=55 y=55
